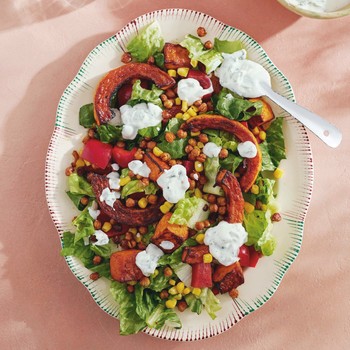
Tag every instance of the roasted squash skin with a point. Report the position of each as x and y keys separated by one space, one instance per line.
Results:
x=194 y=255
x=233 y=194
x=174 y=233
x=218 y=122
x=110 y=83
x=176 y=56
x=156 y=165
x=123 y=266
x=121 y=213
x=266 y=115
x=228 y=277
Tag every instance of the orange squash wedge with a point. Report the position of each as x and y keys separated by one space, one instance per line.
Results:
x=109 y=85
x=218 y=122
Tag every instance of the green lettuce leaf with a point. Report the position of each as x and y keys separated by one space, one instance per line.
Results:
x=75 y=198
x=86 y=116
x=190 y=210
x=211 y=169
x=210 y=301
x=231 y=162
x=77 y=249
x=136 y=186
x=144 y=95
x=84 y=224
x=227 y=46
x=236 y=108
x=130 y=321
x=267 y=164
x=102 y=250
x=175 y=257
x=176 y=149
x=151 y=131
x=148 y=41
x=258 y=226
x=194 y=304
x=78 y=185
x=159 y=281
x=275 y=141
x=210 y=58
x=108 y=133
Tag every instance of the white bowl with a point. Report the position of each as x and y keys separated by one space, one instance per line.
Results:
x=313 y=14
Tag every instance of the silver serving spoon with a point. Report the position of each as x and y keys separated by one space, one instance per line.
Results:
x=326 y=131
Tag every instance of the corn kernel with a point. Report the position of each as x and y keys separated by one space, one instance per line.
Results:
x=196 y=291
x=263 y=207
x=278 y=173
x=123 y=181
x=87 y=163
x=138 y=238
x=133 y=230
x=155 y=273
x=262 y=135
x=200 y=144
x=237 y=174
x=186 y=291
x=198 y=166
x=142 y=203
x=183 y=71
x=178 y=297
x=207 y=258
x=194 y=134
x=132 y=283
x=198 y=193
x=256 y=131
x=172 y=291
x=180 y=287
x=255 y=189
x=106 y=226
x=249 y=208
x=157 y=151
x=186 y=116
x=192 y=113
x=178 y=115
x=200 y=238
x=195 y=108
x=79 y=163
x=184 y=106
x=172 y=282
x=172 y=72
x=177 y=101
x=171 y=303
x=194 y=63
x=164 y=208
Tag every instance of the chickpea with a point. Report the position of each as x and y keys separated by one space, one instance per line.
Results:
x=213 y=208
x=197 y=103
x=126 y=57
x=223 y=153
x=69 y=171
x=166 y=114
x=221 y=200
x=172 y=162
x=168 y=104
x=192 y=184
x=199 y=225
x=97 y=260
x=95 y=276
x=84 y=200
x=188 y=148
x=208 y=45
x=192 y=142
x=120 y=144
x=203 y=138
x=203 y=108
x=97 y=224
x=222 y=210
x=164 y=294
x=170 y=137
x=145 y=281
x=139 y=154
x=163 y=97
x=234 y=293
x=194 y=153
x=130 y=203
x=168 y=272
x=201 y=31
x=211 y=198
x=150 y=60
x=201 y=158
x=170 y=93
x=181 y=134
x=145 y=181
x=130 y=288
x=143 y=229
x=182 y=305
x=151 y=144
x=276 y=217
x=132 y=244
x=91 y=133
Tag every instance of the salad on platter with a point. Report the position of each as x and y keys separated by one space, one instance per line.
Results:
x=175 y=179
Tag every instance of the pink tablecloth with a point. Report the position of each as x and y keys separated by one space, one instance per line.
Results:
x=42 y=305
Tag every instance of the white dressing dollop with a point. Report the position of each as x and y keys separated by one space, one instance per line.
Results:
x=174 y=183
x=211 y=150
x=190 y=90
x=247 y=149
x=139 y=168
x=115 y=166
x=167 y=245
x=101 y=237
x=241 y=75
x=147 y=260
x=109 y=197
x=319 y=5
x=93 y=210
x=142 y=115
x=224 y=241
x=114 y=180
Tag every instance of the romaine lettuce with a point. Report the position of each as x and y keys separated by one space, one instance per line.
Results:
x=227 y=46
x=78 y=185
x=136 y=186
x=84 y=224
x=275 y=141
x=210 y=301
x=188 y=211
x=108 y=133
x=146 y=43
x=210 y=58
x=140 y=94
x=86 y=116
x=211 y=169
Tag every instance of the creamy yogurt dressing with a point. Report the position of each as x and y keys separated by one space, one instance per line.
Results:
x=114 y=180
x=167 y=245
x=241 y=75
x=247 y=149
x=190 y=90
x=211 y=150
x=224 y=241
x=101 y=237
x=142 y=115
x=93 y=211
x=147 y=260
x=174 y=183
x=109 y=197
x=139 y=168
x=319 y=5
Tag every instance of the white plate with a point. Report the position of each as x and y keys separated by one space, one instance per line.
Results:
x=295 y=187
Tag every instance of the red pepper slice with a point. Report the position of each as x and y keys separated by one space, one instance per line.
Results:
x=254 y=256
x=97 y=152
x=201 y=275
x=244 y=255
x=122 y=156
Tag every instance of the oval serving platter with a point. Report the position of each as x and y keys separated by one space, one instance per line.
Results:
x=295 y=187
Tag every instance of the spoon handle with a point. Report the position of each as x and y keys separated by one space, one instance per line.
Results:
x=327 y=132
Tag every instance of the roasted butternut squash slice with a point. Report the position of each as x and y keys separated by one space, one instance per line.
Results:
x=174 y=233
x=156 y=165
x=228 y=277
x=109 y=85
x=176 y=56
x=233 y=194
x=123 y=266
x=194 y=255
x=265 y=116
x=218 y=122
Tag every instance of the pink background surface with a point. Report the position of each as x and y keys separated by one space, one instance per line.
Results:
x=42 y=304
